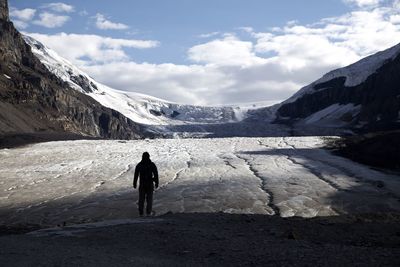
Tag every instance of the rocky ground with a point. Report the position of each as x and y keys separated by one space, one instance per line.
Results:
x=211 y=240
x=379 y=150
x=23 y=139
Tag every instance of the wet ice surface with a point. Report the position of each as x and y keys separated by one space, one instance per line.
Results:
x=86 y=181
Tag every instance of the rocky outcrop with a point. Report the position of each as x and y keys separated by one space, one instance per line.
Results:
x=381 y=150
x=34 y=100
x=4 y=10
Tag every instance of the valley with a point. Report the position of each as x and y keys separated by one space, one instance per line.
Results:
x=312 y=180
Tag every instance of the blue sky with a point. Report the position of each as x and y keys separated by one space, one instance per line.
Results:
x=178 y=23
x=211 y=52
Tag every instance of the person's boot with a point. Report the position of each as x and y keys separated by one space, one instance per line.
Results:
x=151 y=214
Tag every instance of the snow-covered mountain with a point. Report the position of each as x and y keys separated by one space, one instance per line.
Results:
x=33 y=101
x=139 y=108
x=364 y=95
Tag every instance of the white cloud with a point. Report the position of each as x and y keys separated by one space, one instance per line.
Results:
x=246 y=29
x=22 y=14
x=195 y=84
x=59 y=7
x=363 y=3
x=50 y=20
x=91 y=49
x=22 y=17
x=208 y=35
x=83 y=13
x=395 y=19
x=225 y=52
x=187 y=84
x=104 y=24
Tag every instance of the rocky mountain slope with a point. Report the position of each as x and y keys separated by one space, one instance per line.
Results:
x=363 y=96
x=32 y=99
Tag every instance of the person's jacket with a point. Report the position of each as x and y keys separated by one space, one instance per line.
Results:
x=146 y=170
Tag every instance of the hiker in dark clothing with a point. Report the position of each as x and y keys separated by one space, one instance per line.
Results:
x=147 y=171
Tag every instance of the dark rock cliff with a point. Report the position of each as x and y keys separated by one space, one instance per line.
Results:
x=4 y=10
x=34 y=100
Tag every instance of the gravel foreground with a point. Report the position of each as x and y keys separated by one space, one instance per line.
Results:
x=211 y=240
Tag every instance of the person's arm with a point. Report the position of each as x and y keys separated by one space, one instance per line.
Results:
x=136 y=176
x=155 y=173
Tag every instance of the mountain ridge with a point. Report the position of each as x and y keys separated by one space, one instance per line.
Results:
x=4 y=12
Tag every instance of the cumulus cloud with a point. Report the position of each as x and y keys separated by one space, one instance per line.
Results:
x=363 y=3
x=104 y=24
x=347 y=37
x=21 y=17
x=22 y=14
x=174 y=82
x=269 y=65
x=59 y=7
x=50 y=20
x=208 y=35
x=91 y=49
x=229 y=51
x=395 y=19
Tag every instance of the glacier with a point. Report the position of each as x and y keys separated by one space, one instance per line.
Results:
x=91 y=180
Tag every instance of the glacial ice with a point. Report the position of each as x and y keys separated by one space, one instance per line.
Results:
x=86 y=181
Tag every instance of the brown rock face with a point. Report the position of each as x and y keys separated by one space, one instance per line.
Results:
x=34 y=100
x=4 y=10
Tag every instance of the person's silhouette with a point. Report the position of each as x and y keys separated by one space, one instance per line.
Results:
x=147 y=171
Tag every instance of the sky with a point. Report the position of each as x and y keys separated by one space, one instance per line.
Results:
x=210 y=52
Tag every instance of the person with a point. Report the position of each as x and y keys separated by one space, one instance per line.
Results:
x=146 y=170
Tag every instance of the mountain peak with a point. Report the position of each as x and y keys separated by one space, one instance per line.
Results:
x=4 y=10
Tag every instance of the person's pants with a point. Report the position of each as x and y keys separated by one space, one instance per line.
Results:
x=148 y=195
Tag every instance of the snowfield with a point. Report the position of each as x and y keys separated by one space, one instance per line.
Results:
x=86 y=181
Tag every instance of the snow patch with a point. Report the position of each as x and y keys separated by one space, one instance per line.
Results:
x=333 y=115
x=8 y=77
x=358 y=72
